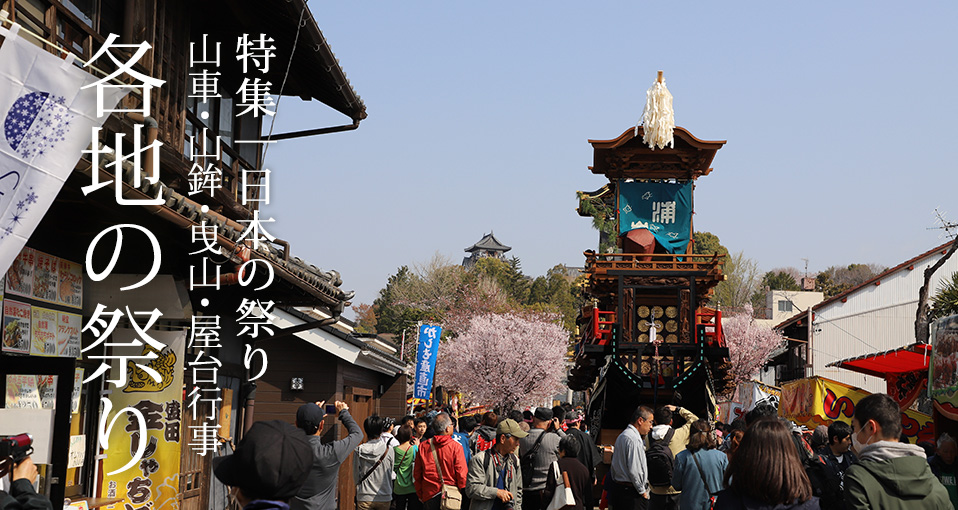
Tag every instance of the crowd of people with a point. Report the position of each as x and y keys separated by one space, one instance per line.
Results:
x=764 y=462
x=544 y=459
x=427 y=462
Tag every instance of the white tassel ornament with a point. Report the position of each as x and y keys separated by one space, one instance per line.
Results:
x=658 y=118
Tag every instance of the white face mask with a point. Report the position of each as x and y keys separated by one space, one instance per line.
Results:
x=858 y=445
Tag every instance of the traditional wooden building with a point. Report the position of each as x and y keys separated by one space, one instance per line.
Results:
x=307 y=69
x=647 y=337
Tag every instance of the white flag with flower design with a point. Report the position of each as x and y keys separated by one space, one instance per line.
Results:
x=47 y=123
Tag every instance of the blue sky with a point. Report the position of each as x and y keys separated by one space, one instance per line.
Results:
x=839 y=117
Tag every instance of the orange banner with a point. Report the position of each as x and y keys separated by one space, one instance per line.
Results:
x=818 y=401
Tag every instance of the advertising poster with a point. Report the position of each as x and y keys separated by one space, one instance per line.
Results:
x=77 y=449
x=20 y=275
x=818 y=401
x=943 y=369
x=47 y=388
x=77 y=390
x=45 y=277
x=156 y=478
x=70 y=284
x=16 y=327
x=68 y=334
x=43 y=332
x=22 y=392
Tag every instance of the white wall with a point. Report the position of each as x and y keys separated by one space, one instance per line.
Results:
x=874 y=318
x=800 y=300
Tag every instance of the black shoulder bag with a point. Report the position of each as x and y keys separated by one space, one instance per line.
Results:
x=528 y=461
x=376 y=465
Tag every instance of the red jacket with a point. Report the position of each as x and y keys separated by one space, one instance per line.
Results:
x=454 y=469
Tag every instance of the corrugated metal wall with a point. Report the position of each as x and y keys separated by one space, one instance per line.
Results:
x=874 y=318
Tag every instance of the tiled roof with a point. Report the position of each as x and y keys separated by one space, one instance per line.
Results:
x=489 y=242
x=322 y=285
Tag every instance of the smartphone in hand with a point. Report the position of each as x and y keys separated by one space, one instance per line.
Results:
x=330 y=409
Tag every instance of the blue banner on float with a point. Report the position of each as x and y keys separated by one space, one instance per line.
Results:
x=665 y=209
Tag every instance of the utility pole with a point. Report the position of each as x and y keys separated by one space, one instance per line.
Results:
x=810 y=366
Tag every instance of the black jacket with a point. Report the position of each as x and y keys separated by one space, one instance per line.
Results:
x=731 y=500
x=23 y=497
x=579 y=482
x=827 y=476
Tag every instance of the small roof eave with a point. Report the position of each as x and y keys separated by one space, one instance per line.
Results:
x=910 y=358
x=679 y=132
x=319 y=337
x=628 y=157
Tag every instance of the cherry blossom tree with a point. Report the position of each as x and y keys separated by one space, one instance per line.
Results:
x=749 y=344
x=505 y=360
x=483 y=296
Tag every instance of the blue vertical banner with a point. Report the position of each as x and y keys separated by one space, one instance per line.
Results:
x=426 y=359
x=664 y=208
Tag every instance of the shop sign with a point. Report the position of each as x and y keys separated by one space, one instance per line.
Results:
x=155 y=477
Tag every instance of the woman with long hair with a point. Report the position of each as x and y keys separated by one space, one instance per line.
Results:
x=765 y=472
x=698 y=469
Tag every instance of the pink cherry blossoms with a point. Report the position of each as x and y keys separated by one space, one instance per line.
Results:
x=505 y=360
x=749 y=344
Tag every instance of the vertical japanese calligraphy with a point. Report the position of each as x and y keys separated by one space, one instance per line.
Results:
x=426 y=360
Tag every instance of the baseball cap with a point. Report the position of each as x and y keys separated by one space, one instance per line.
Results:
x=512 y=428
x=309 y=416
x=271 y=462
x=543 y=414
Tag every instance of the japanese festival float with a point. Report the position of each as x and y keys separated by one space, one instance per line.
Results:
x=648 y=336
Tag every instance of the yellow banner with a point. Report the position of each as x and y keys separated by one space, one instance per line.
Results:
x=818 y=401
x=154 y=481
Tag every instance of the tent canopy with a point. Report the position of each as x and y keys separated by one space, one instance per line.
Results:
x=909 y=358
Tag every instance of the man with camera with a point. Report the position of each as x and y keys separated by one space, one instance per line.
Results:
x=22 y=495
x=537 y=452
x=15 y=459
x=319 y=491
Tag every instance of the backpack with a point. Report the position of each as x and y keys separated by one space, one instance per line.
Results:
x=660 y=461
